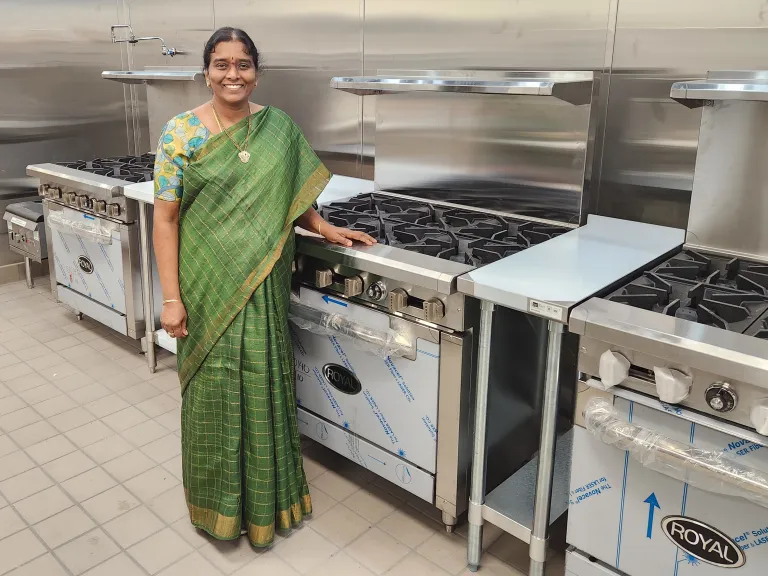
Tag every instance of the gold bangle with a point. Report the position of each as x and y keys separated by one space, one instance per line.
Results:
x=172 y=301
x=319 y=224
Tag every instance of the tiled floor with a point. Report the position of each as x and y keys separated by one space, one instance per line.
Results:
x=90 y=474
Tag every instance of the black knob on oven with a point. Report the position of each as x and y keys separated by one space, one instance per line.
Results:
x=721 y=397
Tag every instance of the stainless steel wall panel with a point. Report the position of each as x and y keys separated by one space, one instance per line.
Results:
x=485 y=34
x=651 y=142
x=456 y=34
x=183 y=24
x=54 y=106
x=300 y=33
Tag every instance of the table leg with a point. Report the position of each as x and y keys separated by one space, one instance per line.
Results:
x=146 y=286
x=547 y=443
x=28 y=271
x=477 y=489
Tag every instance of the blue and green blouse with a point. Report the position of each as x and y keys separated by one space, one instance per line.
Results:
x=181 y=137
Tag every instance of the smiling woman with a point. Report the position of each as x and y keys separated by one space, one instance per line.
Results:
x=232 y=179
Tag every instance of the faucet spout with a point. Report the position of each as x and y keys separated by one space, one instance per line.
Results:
x=132 y=39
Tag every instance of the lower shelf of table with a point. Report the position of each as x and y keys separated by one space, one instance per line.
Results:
x=510 y=505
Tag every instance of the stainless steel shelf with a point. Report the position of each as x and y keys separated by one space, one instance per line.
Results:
x=723 y=85
x=572 y=87
x=510 y=506
x=146 y=76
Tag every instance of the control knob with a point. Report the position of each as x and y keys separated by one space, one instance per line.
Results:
x=398 y=300
x=434 y=309
x=353 y=286
x=377 y=291
x=54 y=193
x=759 y=416
x=323 y=278
x=71 y=199
x=672 y=386
x=613 y=369
x=721 y=397
x=113 y=210
x=83 y=202
x=100 y=206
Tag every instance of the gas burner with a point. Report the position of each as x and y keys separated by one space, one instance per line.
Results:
x=485 y=252
x=472 y=223
x=731 y=273
x=361 y=221
x=734 y=311
x=679 y=295
x=128 y=168
x=533 y=232
x=424 y=239
x=465 y=236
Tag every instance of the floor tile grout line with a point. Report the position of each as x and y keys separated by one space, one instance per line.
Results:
x=97 y=525
x=79 y=504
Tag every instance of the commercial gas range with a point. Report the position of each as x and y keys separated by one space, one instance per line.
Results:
x=385 y=346
x=670 y=466
x=93 y=237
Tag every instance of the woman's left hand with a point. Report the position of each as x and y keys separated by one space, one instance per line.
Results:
x=345 y=236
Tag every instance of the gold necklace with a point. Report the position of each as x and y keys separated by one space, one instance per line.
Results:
x=243 y=154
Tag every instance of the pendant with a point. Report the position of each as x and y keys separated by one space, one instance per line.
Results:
x=244 y=156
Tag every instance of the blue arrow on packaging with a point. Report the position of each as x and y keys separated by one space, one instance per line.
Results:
x=653 y=503
x=327 y=299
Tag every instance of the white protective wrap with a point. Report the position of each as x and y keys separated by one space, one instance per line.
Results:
x=383 y=343
x=705 y=469
x=89 y=230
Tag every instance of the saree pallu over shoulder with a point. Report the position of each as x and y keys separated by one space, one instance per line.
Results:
x=235 y=219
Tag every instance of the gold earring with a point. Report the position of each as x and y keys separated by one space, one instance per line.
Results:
x=208 y=83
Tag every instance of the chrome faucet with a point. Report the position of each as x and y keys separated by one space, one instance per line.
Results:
x=133 y=40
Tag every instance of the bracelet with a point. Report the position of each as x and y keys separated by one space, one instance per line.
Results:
x=172 y=301
x=319 y=224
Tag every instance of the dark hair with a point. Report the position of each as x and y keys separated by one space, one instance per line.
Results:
x=229 y=34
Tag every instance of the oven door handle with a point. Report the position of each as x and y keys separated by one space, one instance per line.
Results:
x=705 y=469
x=383 y=343
x=90 y=231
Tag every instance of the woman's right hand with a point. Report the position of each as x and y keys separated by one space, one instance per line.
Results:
x=174 y=319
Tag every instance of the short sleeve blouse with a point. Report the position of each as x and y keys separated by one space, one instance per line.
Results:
x=181 y=137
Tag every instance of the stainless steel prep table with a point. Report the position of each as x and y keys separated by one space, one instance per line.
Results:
x=547 y=280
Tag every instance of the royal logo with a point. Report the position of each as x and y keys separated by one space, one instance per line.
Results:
x=85 y=264
x=342 y=379
x=704 y=542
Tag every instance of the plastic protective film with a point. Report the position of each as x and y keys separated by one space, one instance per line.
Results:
x=89 y=230
x=383 y=343
x=704 y=469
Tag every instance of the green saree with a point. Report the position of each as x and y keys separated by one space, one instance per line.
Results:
x=242 y=461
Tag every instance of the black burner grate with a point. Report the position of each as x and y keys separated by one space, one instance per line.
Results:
x=466 y=236
x=128 y=168
x=729 y=293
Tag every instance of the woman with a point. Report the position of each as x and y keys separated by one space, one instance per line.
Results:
x=232 y=179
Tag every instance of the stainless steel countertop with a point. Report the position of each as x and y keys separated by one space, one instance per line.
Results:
x=549 y=279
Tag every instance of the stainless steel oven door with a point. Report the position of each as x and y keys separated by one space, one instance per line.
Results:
x=94 y=267
x=657 y=489
x=372 y=374
x=88 y=256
